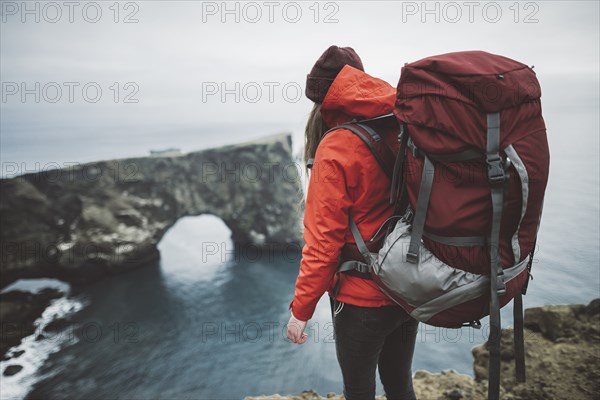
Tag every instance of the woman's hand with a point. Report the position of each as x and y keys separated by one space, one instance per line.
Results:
x=295 y=330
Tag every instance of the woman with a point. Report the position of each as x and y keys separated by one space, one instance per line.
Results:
x=370 y=330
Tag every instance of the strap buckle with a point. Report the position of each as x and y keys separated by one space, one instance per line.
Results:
x=496 y=173
x=363 y=268
x=412 y=256
x=500 y=285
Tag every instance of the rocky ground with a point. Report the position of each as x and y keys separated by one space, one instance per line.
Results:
x=18 y=312
x=562 y=345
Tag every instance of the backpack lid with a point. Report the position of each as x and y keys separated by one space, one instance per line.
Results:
x=486 y=81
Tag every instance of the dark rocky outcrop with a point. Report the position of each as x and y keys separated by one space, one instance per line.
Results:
x=562 y=357
x=81 y=223
x=18 y=312
x=56 y=325
x=12 y=370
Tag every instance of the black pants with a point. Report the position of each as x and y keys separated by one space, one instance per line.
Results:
x=367 y=337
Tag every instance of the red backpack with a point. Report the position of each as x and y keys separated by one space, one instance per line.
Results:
x=474 y=121
x=472 y=168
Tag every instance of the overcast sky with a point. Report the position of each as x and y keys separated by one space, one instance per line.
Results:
x=173 y=58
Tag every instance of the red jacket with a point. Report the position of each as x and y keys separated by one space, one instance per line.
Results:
x=345 y=178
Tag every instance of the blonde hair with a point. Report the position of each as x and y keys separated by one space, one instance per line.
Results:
x=313 y=133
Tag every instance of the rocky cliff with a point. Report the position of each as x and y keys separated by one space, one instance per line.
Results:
x=83 y=222
x=562 y=357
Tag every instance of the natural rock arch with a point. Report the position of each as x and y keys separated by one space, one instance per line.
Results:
x=93 y=219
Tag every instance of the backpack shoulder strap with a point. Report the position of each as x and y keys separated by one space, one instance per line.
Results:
x=374 y=142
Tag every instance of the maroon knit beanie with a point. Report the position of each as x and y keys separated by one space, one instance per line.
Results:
x=326 y=69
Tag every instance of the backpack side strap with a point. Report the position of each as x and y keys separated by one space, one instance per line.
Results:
x=360 y=242
x=412 y=255
x=458 y=241
x=519 y=338
x=496 y=177
x=464 y=155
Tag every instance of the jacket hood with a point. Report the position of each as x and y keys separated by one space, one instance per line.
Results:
x=356 y=94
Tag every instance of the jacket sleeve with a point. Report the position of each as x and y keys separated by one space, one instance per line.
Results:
x=325 y=224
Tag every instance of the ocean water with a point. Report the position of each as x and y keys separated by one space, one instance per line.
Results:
x=205 y=323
